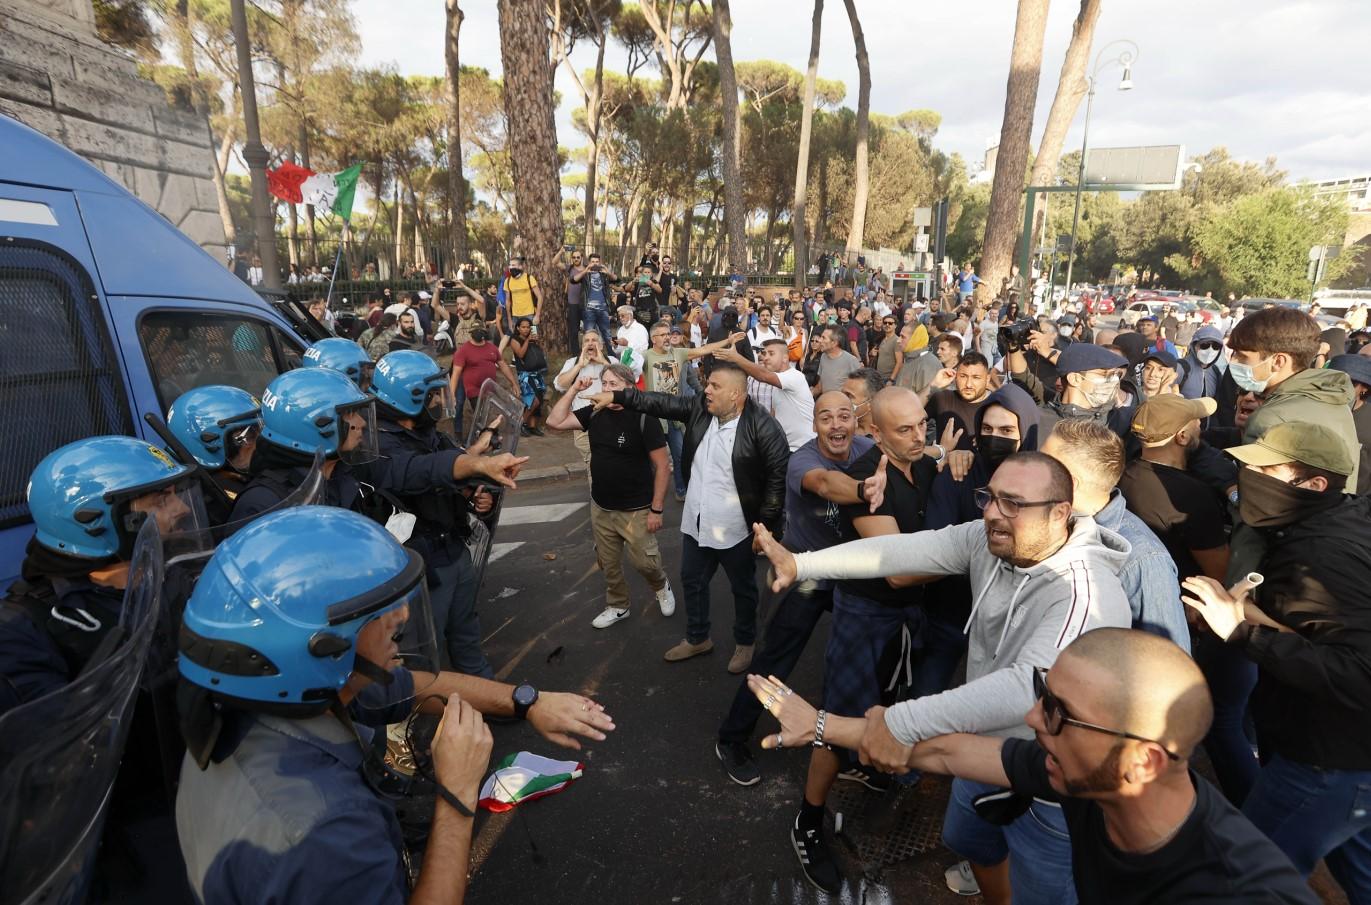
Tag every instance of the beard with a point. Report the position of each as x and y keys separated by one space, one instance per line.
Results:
x=1101 y=780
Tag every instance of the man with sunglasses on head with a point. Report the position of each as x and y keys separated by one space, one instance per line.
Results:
x=1112 y=729
x=1040 y=577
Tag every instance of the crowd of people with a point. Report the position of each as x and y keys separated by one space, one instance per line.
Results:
x=1067 y=563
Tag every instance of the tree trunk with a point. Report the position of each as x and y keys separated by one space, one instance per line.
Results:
x=1070 y=89
x=797 y=209
x=399 y=227
x=821 y=220
x=309 y=208
x=456 y=182
x=861 y=177
x=185 y=39
x=525 y=45
x=221 y=189
x=1011 y=161
x=734 y=213
x=687 y=224
x=593 y=145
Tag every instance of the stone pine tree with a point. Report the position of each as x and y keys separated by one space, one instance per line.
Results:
x=525 y=54
x=797 y=215
x=861 y=176
x=1011 y=161
x=456 y=181
x=735 y=215
x=1070 y=90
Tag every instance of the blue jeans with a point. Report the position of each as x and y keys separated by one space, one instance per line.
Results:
x=675 y=442
x=452 y=594
x=943 y=648
x=593 y=318
x=1037 y=844
x=698 y=565
x=1231 y=678
x=1311 y=814
x=791 y=626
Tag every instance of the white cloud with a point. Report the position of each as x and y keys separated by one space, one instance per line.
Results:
x=1262 y=77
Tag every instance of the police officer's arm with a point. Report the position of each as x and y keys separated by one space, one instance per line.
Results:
x=461 y=752
x=557 y=715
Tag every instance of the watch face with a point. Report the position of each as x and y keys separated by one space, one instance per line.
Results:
x=525 y=695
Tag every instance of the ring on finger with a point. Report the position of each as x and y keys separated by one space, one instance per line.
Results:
x=780 y=742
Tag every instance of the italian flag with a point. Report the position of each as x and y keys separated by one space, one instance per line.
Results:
x=524 y=777
x=298 y=185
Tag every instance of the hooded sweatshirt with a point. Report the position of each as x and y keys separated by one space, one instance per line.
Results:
x=1197 y=380
x=1020 y=618
x=1315 y=396
x=952 y=502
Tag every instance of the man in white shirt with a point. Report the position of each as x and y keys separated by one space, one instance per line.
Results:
x=792 y=404
x=630 y=333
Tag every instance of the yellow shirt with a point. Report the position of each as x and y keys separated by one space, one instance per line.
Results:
x=519 y=291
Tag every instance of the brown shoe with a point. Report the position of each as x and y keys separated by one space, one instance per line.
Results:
x=685 y=650
x=741 y=659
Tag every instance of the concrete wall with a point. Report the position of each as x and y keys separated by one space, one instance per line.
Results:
x=56 y=76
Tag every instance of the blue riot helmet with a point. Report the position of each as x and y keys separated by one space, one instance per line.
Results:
x=216 y=424
x=319 y=410
x=292 y=606
x=344 y=355
x=89 y=498
x=411 y=383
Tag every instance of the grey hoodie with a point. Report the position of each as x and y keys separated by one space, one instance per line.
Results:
x=1020 y=618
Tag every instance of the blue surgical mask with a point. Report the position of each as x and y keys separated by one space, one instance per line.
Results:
x=1242 y=376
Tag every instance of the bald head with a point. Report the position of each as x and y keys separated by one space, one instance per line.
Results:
x=898 y=416
x=1138 y=682
x=1105 y=336
x=831 y=402
x=894 y=404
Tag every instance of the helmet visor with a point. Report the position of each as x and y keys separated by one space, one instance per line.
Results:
x=365 y=370
x=357 y=440
x=398 y=633
x=176 y=507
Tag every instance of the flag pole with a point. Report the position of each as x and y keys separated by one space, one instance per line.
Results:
x=337 y=258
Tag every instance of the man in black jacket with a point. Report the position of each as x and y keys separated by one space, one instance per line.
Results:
x=1307 y=626
x=734 y=459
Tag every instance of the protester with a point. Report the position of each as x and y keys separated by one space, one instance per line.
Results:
x=530 y=368
x=523 y=296
x=1205 y=364
x=735 y=459
x=1090 y=377
x=1358 y=370
x=958 y=405
x=835 y=362
x=476 y=361
x=1115 y=721
x=791 y=402
x=631 y=334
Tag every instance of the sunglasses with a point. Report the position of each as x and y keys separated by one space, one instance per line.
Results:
x=1009 y=508
x=1056 y=717
x=1208 y=344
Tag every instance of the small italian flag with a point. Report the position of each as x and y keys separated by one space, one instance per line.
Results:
x=298 y=185
x=524 y=777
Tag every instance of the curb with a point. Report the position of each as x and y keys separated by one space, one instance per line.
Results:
x=552 y=472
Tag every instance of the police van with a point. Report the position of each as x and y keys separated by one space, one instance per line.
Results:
x=109 y=313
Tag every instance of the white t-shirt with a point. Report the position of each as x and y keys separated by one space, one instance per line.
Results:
x=593 y=371
x=794 y=408
x=636 y=336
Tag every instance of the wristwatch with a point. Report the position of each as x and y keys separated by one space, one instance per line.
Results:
x=525 y=696
x=942 y=453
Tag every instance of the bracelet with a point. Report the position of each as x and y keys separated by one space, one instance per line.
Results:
x=861 y=491
x=655 y=511
x=453 y=800
x=819 y=729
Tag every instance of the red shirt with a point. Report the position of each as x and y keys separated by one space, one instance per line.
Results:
x=478 y=364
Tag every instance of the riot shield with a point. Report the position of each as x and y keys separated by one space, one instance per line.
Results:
x=501 y=408
x=61 y=752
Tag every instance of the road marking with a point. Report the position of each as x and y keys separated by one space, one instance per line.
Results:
x=499 y=550
x=534 y=515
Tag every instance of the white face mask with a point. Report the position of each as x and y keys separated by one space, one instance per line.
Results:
x=1099 y=391
x=1207 y=357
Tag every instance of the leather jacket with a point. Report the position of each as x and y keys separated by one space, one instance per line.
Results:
x=760 y=452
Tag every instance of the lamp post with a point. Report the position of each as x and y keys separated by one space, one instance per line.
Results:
x=1126 y=59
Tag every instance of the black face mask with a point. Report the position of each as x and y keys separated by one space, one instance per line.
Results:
x=479 y=336
x=1267 y=502
x=996 y=449
x=516 y=271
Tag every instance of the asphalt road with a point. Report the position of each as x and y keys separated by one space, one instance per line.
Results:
x=654 y=819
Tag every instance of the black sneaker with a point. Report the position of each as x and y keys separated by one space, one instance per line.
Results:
x=738 y=763
x=873 y=780
x=815 y=859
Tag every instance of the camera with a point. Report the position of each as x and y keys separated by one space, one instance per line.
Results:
x=1014 y=337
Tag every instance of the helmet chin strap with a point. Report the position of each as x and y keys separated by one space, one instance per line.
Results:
x=372 y=671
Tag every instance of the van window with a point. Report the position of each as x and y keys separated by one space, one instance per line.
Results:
x=189 y=349
x=59 y=377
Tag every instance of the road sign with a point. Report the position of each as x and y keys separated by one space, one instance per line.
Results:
x=1150 y=168
x=923 y=216
x=921 y=242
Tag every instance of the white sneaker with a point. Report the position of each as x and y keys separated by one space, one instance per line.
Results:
x=961 y=880
x=666 y=600
x=611 y=615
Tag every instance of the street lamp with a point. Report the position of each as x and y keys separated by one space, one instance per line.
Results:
x=1125 y=58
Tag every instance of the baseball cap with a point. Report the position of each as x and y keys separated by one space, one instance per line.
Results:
x=1088 y=357
x=1160 y=418
x=1297 y=441
x=1162 y=356
x=424 y=295
x=1148 y=317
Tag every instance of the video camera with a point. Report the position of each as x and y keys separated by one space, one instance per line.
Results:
x=1014 y=337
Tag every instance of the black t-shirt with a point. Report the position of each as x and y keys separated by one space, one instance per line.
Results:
x=948 y=405
x=906 y=503
x=645 y=303
x=620 y=471
x=667 y=281
x=1180 y=509
x=1216 y=857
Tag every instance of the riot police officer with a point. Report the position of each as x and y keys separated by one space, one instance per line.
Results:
x=419 y=466
x=305 y=411
x=290 y=641
x=218 y=426
x=88 y=501
x=344 y=355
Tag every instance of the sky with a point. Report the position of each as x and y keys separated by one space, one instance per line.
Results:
x=1283 y=78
